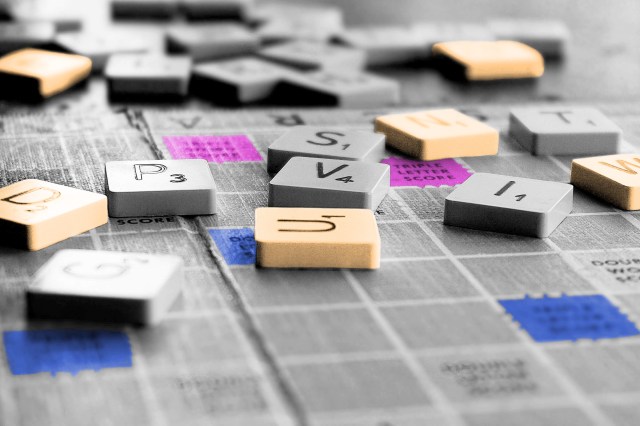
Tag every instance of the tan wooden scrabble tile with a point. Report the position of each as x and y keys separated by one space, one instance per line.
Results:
x=493 y=60
x=35 y=214
x=614 y=178
x=52 y=72
x=316 y=238
x=436 y=134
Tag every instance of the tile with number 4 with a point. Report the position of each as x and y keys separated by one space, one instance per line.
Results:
x=105 y=286
x=325 y=142
x=35 y=214
x=316 y=238
x=511 y=205
x=315 y=182
x=160 y=187
x=614 y=178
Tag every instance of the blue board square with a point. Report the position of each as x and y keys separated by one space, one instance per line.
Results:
x=550 y=319
x=52 y=351
x=238 y=245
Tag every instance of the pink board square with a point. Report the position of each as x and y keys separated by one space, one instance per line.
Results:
x=214 y=149
x=435 y=173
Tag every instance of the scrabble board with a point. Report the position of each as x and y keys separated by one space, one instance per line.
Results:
x=456 y=327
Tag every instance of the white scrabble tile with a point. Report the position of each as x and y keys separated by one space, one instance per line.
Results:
x=142 y=74
x=99 y=47
x=437 y=32
x=386 y=45
x=313 y=55
x=325 y=142
x=211 y=41
x=333 y=88
x=319 y=182
x=105 y=286
x=549 y=37
x=241 y=80
x=216 y=9
x=564 y=131
x=291 y=21
x=144 y=8
x=159 y=188
x=507 y=204
x=19 y=35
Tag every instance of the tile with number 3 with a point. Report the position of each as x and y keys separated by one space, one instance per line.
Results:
x=160 y=187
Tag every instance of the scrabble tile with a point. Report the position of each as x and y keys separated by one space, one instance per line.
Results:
x=613 y=178
x=5 y=12
x=98 y=47
x=64 y=24
x=142 y=74
x=386 y=45
x=316 y=238
x=35 y=214
x=549 y=37
x=437 y=32
x=211 y=41
x=564 y=131
x=20 y=35
x=319 y=182
x=313 y=55
x=439 y=133
x=216 y=9
x=141 y=9
x=334 y=88
x=328 y=15
x=105 y=286
x=290 y=21
x=240 y=80
x=488 y=60
x=160 y=188
x=325 y=142
x=511 y=205
x=34 y=73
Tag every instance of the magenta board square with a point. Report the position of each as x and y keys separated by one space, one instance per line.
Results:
x=214 y=149
x=406 y=172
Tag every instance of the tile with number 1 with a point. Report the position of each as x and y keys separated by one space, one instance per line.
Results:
x=507 y=204
x=325 y=142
